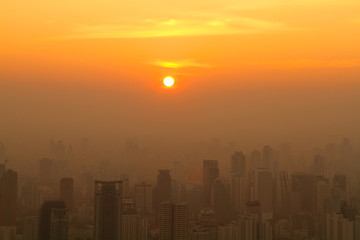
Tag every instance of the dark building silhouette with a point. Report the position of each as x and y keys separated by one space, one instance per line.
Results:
x=340 y=186
x=268 y=157
x=255 y=160
x=174 y=221
x=143 y=198
x=302 y=186
x=210 y=173
x=53 y=221
x=162 y=190
x=238 y=163
x=108 y=209
x=221 y=200
x=67 y=191
x=8 y=197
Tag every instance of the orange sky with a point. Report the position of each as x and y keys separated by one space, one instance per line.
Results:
x=202 y=36
x=129 y=46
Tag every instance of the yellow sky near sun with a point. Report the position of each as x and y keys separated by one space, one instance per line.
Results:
x=237 y=34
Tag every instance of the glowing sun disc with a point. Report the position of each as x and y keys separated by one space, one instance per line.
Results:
x=168 y=81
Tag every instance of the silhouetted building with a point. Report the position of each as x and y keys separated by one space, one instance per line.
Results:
x=264 y=189
x=174 y=221
x=207 y=221
x=221 y=201
x=268 y=157
x=53 y=221
x=134 y=227
x=162 y=190
x=238 y=192
x=255 y=160
x=31 y=228
x=340 y=187
x=30 y=195
x=108 y=208
x=302 y=186
x=8 y=198
x=238 y=163
x=210 y=173
x=67 y=191
x=143 y=198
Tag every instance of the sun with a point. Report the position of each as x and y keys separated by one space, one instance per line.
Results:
x=168 y=81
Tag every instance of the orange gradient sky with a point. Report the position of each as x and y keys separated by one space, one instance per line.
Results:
x=100 y=53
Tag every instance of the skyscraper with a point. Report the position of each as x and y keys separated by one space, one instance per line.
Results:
x=59 y=227
x=129 y=220
x=238 y=163
x=8 y=197
x=255 y=160
x=162 y=190
x=268 y=157
x=108 y=208
x=67 y=191
x=264 y=189
x=174 y=221
x=53 y=221
x=31 y=228
x=210 y=173
x=143 y=198
x=221 y=200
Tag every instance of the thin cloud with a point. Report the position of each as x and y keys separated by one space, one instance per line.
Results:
x=183 y=63
x=206 y=25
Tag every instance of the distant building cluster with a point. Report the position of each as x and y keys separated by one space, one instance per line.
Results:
x=261 y=196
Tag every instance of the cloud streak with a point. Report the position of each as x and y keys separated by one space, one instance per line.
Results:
x=195 y=25
x=183 y=63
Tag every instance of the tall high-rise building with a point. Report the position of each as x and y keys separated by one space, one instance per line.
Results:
x=162 y=190
x=221 y=200
x=131 y=227
x=31 y=228
x=264 y=189
x=238 y=183
x=59 y=228
x=238 y=163
x=178 y=172
x=53 y=221
x=143 y=198
x=8 y=197
x=338 y=228
x=302 y=187
x=255 y=160
x=30 y=195
x=108 y=208
x=174 y=221
x=340 y=187
x=268 y=157
x=321 y=193
x=67 y=192
x=283 y=192
x=238 y=192
x=210 y=173
x=207 y=221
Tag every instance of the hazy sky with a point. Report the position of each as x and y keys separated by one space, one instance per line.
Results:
x=260 y=70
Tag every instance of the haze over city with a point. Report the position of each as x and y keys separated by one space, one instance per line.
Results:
x=180 y=120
